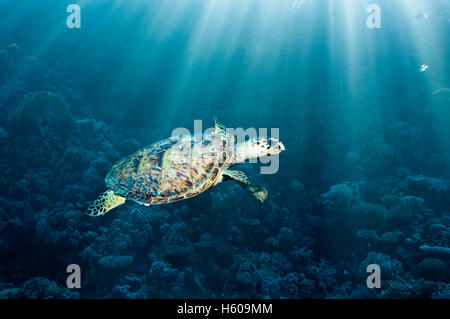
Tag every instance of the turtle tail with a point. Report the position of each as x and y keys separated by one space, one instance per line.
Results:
x=107 y=201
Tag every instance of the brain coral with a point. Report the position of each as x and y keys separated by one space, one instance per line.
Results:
x=433 y=269
x=42 y=113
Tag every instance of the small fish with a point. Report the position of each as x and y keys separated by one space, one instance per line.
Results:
x=298 y=4
x=421 y=16
x=423 y=68
x=441 y=91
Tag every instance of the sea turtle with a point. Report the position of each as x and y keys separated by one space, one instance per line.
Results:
x=182 y=167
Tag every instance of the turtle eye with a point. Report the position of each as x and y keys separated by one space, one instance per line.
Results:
x=182 y=160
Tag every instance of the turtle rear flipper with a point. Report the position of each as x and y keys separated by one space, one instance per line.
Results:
x=107 y=201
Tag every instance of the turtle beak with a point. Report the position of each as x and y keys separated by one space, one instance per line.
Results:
x=278 y=147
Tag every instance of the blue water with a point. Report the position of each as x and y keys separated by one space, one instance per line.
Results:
x=364 y=114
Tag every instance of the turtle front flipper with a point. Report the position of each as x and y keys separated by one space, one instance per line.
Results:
x=257 y=191
x=107 y=201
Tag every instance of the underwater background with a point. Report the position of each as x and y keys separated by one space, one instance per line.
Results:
x=364 y=115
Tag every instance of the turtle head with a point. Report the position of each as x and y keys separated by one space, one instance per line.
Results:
x=257 y=148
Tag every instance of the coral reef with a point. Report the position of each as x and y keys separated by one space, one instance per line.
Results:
x=373 y=204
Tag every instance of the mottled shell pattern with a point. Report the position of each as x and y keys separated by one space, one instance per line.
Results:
x=172 y=169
